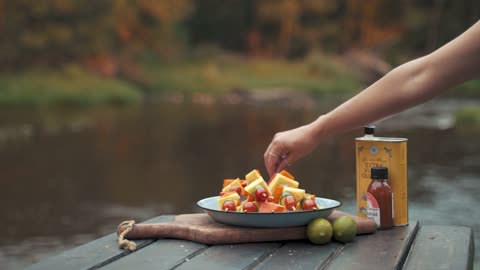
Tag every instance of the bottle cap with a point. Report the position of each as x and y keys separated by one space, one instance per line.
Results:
x=369 y=129
x=379 y=172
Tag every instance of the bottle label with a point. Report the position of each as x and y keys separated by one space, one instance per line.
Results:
x=373 y=209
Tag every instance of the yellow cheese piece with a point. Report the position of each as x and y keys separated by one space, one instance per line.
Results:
x=231 y=197
x=235 y=182
x=250 y=188
x=240 y=207
x=252 y=176
x=297 y=193
x=281 y=179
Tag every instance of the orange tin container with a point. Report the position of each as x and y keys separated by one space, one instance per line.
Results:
x=387 y=152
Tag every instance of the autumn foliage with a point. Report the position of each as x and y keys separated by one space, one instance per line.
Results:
x=102 y=34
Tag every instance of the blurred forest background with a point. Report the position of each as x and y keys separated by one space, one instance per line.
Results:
x=104 y=104
x=88 y=52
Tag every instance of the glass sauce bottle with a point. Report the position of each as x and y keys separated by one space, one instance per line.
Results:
x=379 y=198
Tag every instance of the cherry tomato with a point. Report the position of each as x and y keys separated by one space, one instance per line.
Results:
x=237 y=189
x=261 y=194
x=229 y=206
x=289 y=202
x=309 y=205
x=250 y=207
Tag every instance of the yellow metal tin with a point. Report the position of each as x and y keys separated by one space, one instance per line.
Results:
x=387 y=152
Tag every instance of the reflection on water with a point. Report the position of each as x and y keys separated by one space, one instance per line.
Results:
x=70 y=177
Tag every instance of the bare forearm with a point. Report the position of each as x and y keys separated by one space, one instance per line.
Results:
x=403 y=87
x=406 y=86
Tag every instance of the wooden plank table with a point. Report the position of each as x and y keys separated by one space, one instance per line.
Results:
x=408 y=247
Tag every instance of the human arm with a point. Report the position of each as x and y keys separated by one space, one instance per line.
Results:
x=405 y=86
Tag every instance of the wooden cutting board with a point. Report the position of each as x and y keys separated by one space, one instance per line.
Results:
x=202 y=229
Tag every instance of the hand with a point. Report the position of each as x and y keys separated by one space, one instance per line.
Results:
x=288 y=147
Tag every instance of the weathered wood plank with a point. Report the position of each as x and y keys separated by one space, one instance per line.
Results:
x=442 y=247
x=299 y=255
x=385 y=249
x=163 y=254
x=94 y=254
x=230 y=257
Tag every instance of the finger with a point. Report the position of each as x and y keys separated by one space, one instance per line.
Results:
x=271 y=163
x=271 y=160
x=267 y=154
x=282 y=164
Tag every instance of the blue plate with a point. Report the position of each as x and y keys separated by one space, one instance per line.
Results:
x=268 y=220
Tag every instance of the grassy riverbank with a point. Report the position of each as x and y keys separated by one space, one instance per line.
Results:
x=68 y=87
x=72 y=86
x=316 y=75
x=469 y=115
x=215 y=76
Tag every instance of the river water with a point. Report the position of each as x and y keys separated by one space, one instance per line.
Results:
x=70 y=176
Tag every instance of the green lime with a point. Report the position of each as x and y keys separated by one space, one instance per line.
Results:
x=344 y=229
x=319 y=231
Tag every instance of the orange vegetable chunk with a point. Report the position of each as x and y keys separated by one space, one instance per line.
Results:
x=287 y=174
x=267 y=207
